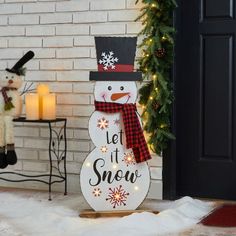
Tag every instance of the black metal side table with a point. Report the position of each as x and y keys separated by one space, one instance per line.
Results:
x=57 y=150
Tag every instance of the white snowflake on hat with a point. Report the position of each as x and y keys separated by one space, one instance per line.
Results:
x=108 y=60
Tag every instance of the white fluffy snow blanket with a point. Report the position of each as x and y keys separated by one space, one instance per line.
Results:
x=24 y=216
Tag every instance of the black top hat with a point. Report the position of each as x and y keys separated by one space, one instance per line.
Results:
x=115 y=59
x=17 y=68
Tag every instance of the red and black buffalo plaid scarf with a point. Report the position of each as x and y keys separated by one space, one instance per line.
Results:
x=7 y=100
x=133 y=130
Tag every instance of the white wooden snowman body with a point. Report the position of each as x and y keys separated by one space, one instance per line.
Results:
x=110 y=178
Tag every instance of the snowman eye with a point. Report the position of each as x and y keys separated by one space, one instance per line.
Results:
x=12 y=77
x=6 y=77
x=121 y=88
x=109 y=88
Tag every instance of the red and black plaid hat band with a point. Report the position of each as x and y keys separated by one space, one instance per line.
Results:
x=118 y=68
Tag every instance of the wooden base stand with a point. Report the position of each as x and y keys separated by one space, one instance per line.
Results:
x=97 y=214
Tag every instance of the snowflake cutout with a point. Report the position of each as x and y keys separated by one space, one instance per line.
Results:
x=97 y=192
x=102 y=123
x=117 y=196
x=129 y=159
x=108 y=60
x=117 y=122
x=103 y=149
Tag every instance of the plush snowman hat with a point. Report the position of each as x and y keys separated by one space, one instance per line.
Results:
x=18 y=67
x=115 y=59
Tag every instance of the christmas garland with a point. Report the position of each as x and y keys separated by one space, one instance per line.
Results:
x=156 y=95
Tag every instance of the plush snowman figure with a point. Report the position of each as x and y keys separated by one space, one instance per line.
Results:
x=10 y=107
x=115 y=176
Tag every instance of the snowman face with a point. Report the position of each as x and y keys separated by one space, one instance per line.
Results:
x=10 y=80
x=115 y=91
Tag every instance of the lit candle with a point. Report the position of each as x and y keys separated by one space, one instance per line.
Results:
x=32 y=106
x=49 y=106
x=42 y=90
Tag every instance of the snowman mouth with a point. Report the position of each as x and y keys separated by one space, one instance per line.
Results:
x=116 y=96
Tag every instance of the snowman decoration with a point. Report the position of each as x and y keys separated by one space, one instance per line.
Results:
x=10 y=107
x=115 y=175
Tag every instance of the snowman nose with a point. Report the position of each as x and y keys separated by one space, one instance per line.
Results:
x=10 y=81
x=116 y=96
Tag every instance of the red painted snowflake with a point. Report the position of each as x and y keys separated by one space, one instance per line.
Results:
x=117 y=196
x=102 y=123
x=129 y=159
x=97 y=192
x=116 y=122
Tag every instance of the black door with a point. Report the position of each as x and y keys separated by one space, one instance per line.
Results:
x=206 y=99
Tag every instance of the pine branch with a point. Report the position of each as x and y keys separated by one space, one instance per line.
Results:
x=156 y=95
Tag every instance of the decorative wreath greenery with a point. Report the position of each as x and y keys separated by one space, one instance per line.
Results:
x=156 y=95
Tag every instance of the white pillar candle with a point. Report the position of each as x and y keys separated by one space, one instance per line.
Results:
x=49 y=107
x=32 y=106
x=42 y=90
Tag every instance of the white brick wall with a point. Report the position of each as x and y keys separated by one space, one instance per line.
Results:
x=61 y=33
